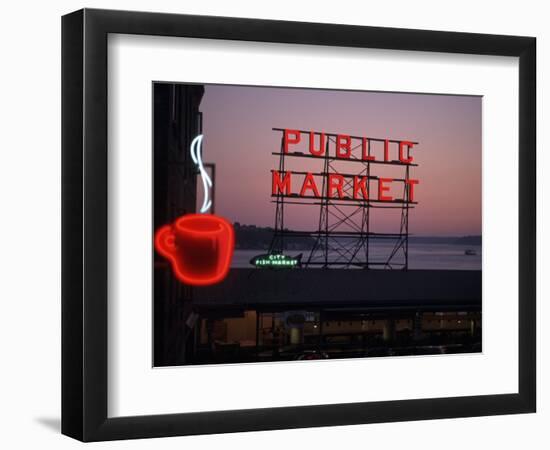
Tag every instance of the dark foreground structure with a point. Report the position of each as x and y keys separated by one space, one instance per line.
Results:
x=274 y=315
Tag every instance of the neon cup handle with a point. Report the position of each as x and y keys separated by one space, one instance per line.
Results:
x=165 y=241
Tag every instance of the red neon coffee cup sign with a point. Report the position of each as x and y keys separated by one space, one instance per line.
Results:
x=198 y=246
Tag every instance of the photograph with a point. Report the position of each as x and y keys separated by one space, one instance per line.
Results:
x=274 y=225
x=295 y=224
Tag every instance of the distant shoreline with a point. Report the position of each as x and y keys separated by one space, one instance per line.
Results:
x=253 y=237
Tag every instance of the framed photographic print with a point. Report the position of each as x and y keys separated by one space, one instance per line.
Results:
x=273 y=224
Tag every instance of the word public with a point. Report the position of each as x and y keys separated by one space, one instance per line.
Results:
x=342 y=186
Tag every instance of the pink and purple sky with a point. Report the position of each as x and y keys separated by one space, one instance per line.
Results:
x=238 y=138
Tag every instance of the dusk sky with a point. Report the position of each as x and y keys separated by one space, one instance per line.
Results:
x=238 y=138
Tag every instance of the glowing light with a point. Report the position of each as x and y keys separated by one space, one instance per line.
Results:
x=276 y=261
x=196 y=156
x=199 y=246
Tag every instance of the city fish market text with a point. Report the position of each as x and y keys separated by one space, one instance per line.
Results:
x=344 y=148
x=276 y=260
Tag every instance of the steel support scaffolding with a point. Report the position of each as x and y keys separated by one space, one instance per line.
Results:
x=344 y=235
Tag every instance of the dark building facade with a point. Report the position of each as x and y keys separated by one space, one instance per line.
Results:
x=259 y=315
x=177 y=120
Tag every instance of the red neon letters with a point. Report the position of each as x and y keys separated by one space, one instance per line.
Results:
x=295 y=139
x=344 y=186
x=382 y=189
x=281 y=184
x=199 y=247
x=410 y=186
x=344 y=146
x=321 y=150
x=278 y=185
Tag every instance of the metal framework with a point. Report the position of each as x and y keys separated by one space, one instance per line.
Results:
x=344 y=236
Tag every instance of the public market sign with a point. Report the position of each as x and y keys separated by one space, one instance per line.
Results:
x=343 y=186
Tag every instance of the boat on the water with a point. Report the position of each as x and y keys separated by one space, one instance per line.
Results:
x=470 y=252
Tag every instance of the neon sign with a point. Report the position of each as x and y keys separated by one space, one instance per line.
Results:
x=198 y=246
x=196 y=156
x=309 y=184
x=277 y=261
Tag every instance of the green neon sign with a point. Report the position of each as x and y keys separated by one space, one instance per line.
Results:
x=277 y=260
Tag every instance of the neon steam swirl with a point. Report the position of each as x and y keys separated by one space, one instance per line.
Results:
x=196 y=156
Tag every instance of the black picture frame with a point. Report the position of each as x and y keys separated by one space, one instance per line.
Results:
x=84 y=224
